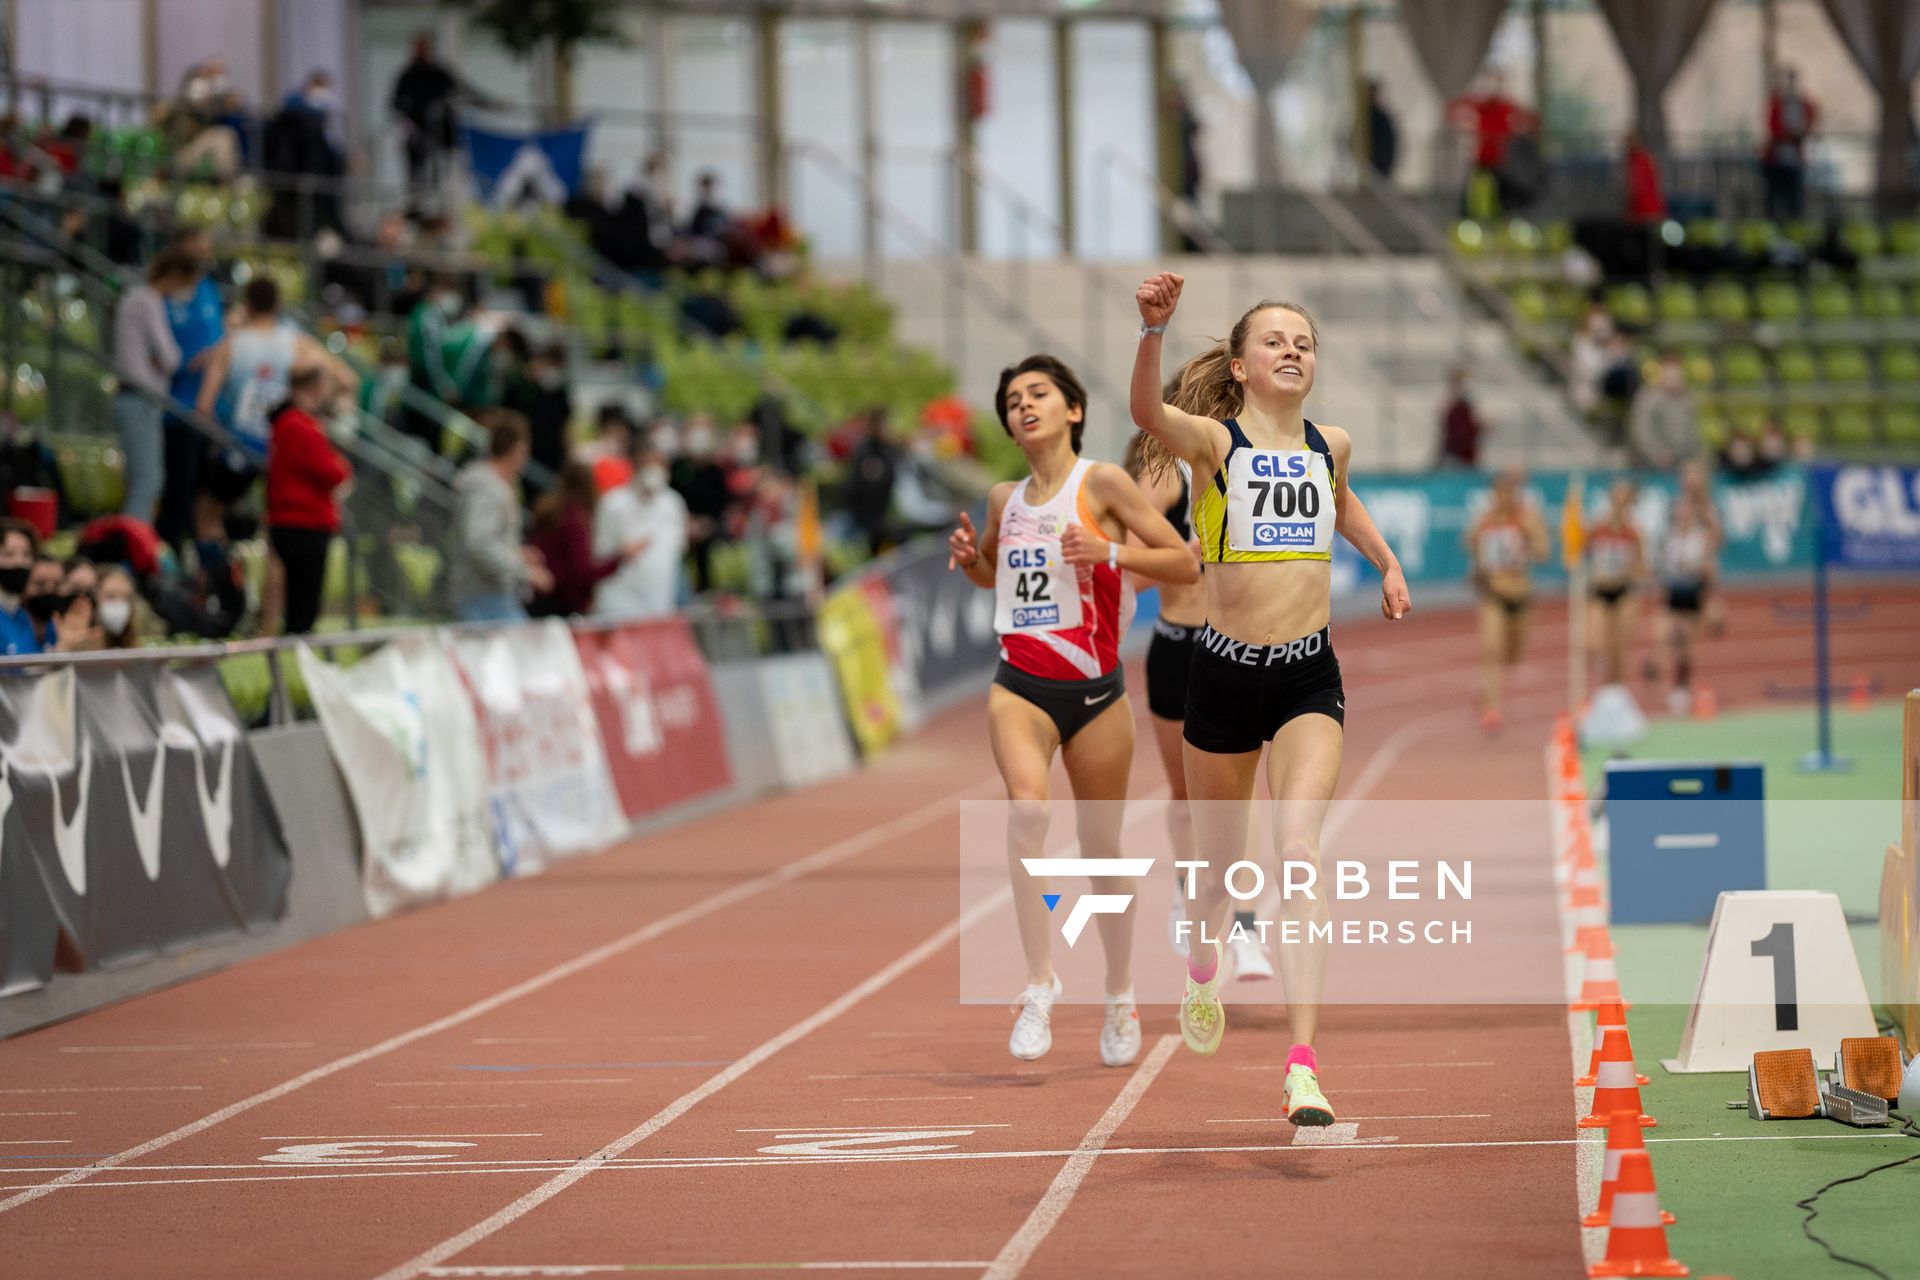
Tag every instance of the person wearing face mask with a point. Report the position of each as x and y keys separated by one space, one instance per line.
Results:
x=61 y=623
x=297 y=141
x=117 y=609
x=18 y=546
x=435 y=352
x=305 y=474
x=540 y=393
x=1662 y=430
x=648 y=519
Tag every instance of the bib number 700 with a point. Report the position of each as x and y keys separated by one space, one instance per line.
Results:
x=1288 y=500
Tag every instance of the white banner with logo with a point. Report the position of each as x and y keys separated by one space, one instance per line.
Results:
x=809 y=734
x=404 y=735
x=547 y=777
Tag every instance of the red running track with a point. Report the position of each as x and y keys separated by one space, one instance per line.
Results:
x=737 y=1046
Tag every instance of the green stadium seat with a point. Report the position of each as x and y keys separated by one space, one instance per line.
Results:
x=1863 y=237
x=1749 y=418
x=1806 y=233
x=1903 y=237
x=1743 y=366
x=1728 y=302
x=1847 y=364
x=1900 y=424
x=1469 y=239
x=1830 y=300
x=1801 y=421
x=1713 y=428
x=1698 y=362
x=1558 y=235
x=1706 y=233
x=1678 y=301
x=1755 y=237
x=1881 y=300
x=1900 y=365
x=1796 y=366
x=1520 y=238
x=1530 y=303
x=1850 y=424
x=1631 y=305
x=1779 y=301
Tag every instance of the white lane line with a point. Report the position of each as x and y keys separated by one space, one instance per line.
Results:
x=36 y=1142
x=1019 y=1248
x=533 y=1199
x=620 y=1268
x=180 y=1048
x=456 y=1106
x=577 y=1039
x=901 y=1035
x=698 y=1163
x=868 y=1128
x=950 y=1097
x=791 y=871
x=1464 y=1115
x=39 y=1113
x=984 y=1077
x=387 y=1137
x=1345 y=1067
x=109 y=1088
x=448 y=1084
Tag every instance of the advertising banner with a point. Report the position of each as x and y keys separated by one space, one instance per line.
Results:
x=404 y=735
x=1869 y=516
x=852 y=638
x=660 y=723
x=546 y=775
x=945 y=622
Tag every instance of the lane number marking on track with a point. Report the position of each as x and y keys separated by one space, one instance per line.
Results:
x=366 y=1152
x=900 y=1142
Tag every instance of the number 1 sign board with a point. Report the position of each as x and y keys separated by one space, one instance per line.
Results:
x=1780 y=973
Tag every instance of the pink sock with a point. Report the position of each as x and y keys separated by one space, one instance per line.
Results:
x=1303 y=1054
x=1199 y=972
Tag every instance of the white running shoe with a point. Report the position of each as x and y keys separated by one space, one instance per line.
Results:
x=1250 y=960
x=1033 y=1029
x=1175 y=918
x=1120 y=1033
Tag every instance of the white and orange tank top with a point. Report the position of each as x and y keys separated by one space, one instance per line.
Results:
x=1056 y=621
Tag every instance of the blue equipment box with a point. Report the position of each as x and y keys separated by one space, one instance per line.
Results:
x=1679 y=834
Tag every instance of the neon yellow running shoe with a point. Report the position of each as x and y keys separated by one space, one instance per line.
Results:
x=1202 y=1021
x=1304 y=1101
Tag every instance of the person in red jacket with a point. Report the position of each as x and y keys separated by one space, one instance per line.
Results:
x=1646 y=202
x=305 y=474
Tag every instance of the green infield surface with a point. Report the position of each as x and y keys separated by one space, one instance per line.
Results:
x=1731 y=1181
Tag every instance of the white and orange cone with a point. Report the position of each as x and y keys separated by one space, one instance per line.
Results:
x=1616 y=1085
x=1623 y=1135
x=1612 y=1017
x=1600 y=983
x=1637 y=1240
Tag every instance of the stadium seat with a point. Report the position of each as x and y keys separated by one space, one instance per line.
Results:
x=1900 y=424
x=1796 y=366
x=1850 y=424
x=1903 y=237
x=1754 y=238
x=1713 y=427
x=1558 y=235
x=1900 y=366
x=1743 y=366
x=1831 y=300
x=1847 y=365
x=1530 y=303
x=1631 y=305
x=1863 y=237
x=1520 y=238
x=1881 y=300
x=1728 y=302
x=1806 y=233
x=1679 y=302
x=1698 y=362
x=1778 y=301
x=1750 y=418
x=1801 y=421
x=1468 y=238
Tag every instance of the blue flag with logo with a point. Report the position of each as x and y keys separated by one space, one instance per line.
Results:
x=510 y=167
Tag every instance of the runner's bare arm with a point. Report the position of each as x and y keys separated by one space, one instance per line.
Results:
x=214 y=381
x=1160 y=491
x=976 y=554
x=1202 y=442
x=1163 y=556
x=1353 y=523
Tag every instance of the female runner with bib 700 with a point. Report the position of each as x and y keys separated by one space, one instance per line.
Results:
x=1052 y=552
x=1270 y=491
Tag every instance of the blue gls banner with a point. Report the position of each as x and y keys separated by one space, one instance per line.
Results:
x=1869 y=515
x=509 y=167
x=1768 y=522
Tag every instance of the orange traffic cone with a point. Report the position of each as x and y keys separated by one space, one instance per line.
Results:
x=1637 y=1242
x=1590 y=935
x=1598 y=985
x=1616 y=1087
x=1705 y=705
x=1861 y=696
x=1623 y=1135
x=1612 y=1017
x=1583 y=889
x=1580 y=848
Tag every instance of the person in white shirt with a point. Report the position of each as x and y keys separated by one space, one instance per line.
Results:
x=648 y=512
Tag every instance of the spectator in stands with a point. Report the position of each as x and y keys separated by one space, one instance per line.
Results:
x=709 y=221
x=1460 y=425
x=610 y=453
x=1383 y=135
x=61 y=623
x=1791 y=118
x=198 y=318
x=564 y=522
x=539 y=392
x=380 y=277
x=646 y=521
x=19 y=546
x=1495 y=120
x=253 y=366
x=701 y=478
x=1589 y=352
x=489 y=574
x=79 y=588
x=68 y=148
x=868 y=492
x=424 y=98
x=118 y=609
x=1646 y=201
x=200 y=124
x=145 y=358
x=642 y=227
x=305 y=475
x=1662 y=428
x=439 y=347
x=298 y=143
